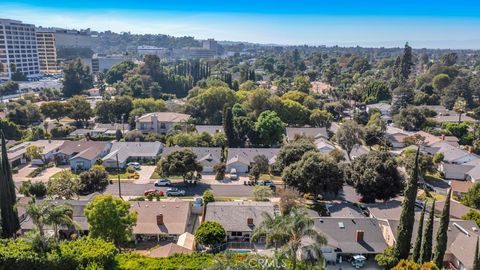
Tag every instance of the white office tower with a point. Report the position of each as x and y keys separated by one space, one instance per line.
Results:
x=18 y=49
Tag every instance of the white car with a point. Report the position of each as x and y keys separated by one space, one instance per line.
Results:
x=135 y=165
x=162 y=183
x=233 y=174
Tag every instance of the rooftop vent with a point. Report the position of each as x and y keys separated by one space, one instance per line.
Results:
x=341 y=225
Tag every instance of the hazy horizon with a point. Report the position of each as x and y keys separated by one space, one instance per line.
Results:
x=427 y=24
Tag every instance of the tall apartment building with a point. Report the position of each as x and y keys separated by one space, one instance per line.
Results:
x=18 y=48
x=47 y=51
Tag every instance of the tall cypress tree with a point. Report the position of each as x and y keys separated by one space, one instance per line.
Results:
x=407 y=218
x=426 y=251
x=228 y=126
x=418 y=241
x=9 y=217
x=442 y=236
x=476 y=264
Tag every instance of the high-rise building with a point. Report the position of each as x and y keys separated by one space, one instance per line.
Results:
x=47 y=51
x=18 y=49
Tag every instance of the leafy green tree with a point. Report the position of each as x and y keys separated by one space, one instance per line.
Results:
x=387 y=259
x=375 y=176
x=208 y=197
x=407 y=217
x=418 y=242
x=219 y=170
x=93 y=180
x=182 y=162
x=376 y=91
x=270 y=127
x=472 y=215
x=208 y=105
x=8 y=210
x=59 y=215
x=262 y=193
x=440 y=81
x=260 y=166
x=109 y=218
x=472 y=197
x=427 y=238
x=375 y=130
x=34 y=152
x=210 y=233
x=76 y=78
x=460 y=107
x=349 y=135
x=410 y=118
x=117 y=71
x=321 y=118
x=293 y=113
x=228 y=127
x=55 y=109
x=302 y=84
x=64 y=186
x=315 y=173
x=10 y=129
x=81 y=109
x=292 y=152
x=442 y=233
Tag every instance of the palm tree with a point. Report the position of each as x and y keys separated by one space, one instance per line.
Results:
x=38 y=213
x=60 y=215
x=460 y=107
x=289 y=231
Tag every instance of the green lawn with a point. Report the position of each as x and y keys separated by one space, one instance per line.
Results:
x=123 y=175
x=156 y=176
x=56 y=175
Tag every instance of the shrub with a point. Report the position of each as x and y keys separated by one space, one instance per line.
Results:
x=262 y=193
x=210 y=233
x=208 y=197
x=38 y=189
x=61 y=132
x=130 y=169
x=19 y=255
x=195 y=261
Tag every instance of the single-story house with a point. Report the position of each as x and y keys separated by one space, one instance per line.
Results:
x=210 y=129
x=457 y=210
x=81 y=155
x=323 y=145
x=384 y=108
x=452 y=154
x=350 y=236
x=207 y=156
x=431 y=139
x=160 y=122
x=390 y=209
x=131 y=151
x=455 y=171
x=16 y=154
x=242 y=158
x=166 y=218
x=78 y=217
x=314 y=133
x=462 y=238
x=111 y=128
x=459 y=188
x=83 y=132
x=168 y=250
x=440 y=119
x=239 y=218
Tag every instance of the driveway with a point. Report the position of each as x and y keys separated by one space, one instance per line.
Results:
x=144 y=174
x=44 y=176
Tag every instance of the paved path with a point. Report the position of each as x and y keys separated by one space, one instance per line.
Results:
x=145 y=173
x=44 y=176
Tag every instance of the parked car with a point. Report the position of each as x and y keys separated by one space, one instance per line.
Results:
x=158 y=192
x=135 y=165
x=233 y=174
x=267 y=183
x=198 y=202
x=175 y=192
x=162 y=183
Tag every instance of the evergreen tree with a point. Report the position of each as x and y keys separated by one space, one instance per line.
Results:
x=418 y=241
x=9 y=217
x=476 y=263
x=228 y=126
x=442 y=236
x=426 y=252
x=407 y=218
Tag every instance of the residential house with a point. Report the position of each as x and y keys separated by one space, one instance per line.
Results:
x=131 y=151
x=110 y=129
x=82 y=155
x=239 y=218
x=78 y=217
x=16 y=154
x=161 y=219
x=457 y=210
x=323 y=145
x=455 y=171
x=390 y=209
x=160 y=122
x=210 y=129
x=207 y=156
x=432 y=139
x=452 y=154
x=459 y=188
x=242 y=158
x=168 y=250
x=315 y=133
x=395 y=136
x=384 y=108
x=440 y=119
x=348 y=236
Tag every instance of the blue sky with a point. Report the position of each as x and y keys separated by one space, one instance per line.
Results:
x=424 y=23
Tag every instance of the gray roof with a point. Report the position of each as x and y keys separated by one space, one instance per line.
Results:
x=450 y=152
x=388 y=210
x=233 y=215
x=127 y=150
x=209 y=129
x=456 y=169
x=341 y=234
x=208 y=156
x=246 y=155
x=309 y=132
x=452 y=118
x=83 y=149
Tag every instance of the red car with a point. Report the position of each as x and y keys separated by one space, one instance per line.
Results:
x=158 y=192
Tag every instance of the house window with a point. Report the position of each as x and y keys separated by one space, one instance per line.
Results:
x=162 y=125
x=236 y=234
x=80 y=164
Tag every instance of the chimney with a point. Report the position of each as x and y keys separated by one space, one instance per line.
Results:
x=250 y=221
x=160 y=219
x=359 y=235
x=443 y=137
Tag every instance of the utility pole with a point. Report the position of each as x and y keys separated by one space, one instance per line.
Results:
x=123 y=126
x=118 y=174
